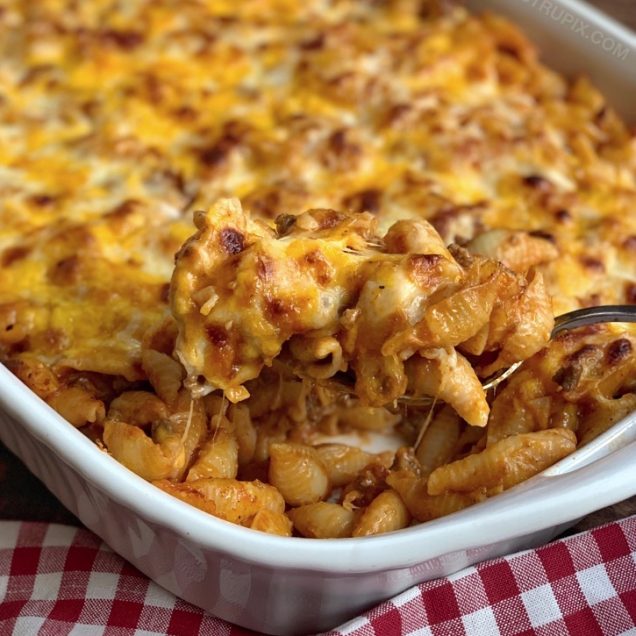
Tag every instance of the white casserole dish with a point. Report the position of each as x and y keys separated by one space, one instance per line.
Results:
x=287 y=586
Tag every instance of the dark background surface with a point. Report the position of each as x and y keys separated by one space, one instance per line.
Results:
x=23 y=497
x=623 y=10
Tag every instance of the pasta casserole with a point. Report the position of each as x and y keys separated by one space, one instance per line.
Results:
x=389 y=198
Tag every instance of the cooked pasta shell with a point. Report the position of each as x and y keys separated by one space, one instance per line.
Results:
x=342 y=462
x=510 y=329
x=130 y=446
x=368 y=418
x=77 y=405
x=438 y=442
x=420 y=504
x=35 y=374
x=164 y=373
x=323 y=520
x=603 y=413
x=386 y=513
x=229 y=499
x=138 y=407
x=298 y=473
x=185 y=428
x=218 y=457
x=460 y=316
x=448 y=376
x=517 y=250
x=245 y=433
x=272 y=522
x=319 y=358
x=512 y=411
x=505 y=463
x=538 y=451
x=414 y=237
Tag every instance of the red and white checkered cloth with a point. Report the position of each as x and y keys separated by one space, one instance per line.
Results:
x=64 y=581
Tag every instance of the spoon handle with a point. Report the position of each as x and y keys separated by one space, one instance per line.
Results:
x=592 y=316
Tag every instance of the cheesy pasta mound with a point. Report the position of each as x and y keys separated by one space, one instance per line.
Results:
x=402 y=120
x=324 y=294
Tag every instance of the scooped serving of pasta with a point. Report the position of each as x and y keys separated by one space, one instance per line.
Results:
x=397 y=311
x=245 y=241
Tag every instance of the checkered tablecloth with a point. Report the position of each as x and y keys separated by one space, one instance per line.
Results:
x=63 y=580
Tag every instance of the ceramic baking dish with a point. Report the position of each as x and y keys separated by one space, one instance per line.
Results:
x=290 y=586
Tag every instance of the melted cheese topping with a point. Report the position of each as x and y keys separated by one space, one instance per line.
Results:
x=119 y=119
